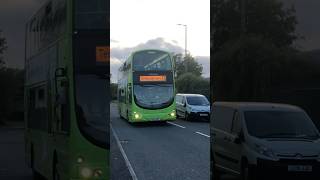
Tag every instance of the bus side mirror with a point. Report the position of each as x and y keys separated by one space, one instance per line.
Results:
x=60 y=72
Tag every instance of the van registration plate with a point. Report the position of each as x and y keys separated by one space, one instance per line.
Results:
x=203 y=114
x=299 y=168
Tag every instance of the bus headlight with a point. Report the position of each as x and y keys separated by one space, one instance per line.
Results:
x=172 y=114
x=86 y=172
x=136 y=115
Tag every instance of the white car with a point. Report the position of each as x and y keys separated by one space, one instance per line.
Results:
x=192 y=106
x=251 y=139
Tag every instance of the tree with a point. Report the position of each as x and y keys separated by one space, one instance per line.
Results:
x=187 y=65
x=265 y=18
x=191 y=83
x=3 y=47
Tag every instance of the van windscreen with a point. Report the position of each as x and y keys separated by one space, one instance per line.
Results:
x=280 y=124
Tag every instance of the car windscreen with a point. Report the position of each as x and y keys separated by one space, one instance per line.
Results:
x=280 y=124
x=197 y=101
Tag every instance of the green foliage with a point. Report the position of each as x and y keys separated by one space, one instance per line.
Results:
x=191 y=83
x=188 y=65
x=251 y=67
x=264 y=18
x=11 y=93
x=3 y=47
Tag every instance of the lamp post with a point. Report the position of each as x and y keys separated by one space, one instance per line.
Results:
x=185 y=42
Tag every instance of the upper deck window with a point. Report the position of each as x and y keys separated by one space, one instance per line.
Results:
x=151 y=60
x=91 y=14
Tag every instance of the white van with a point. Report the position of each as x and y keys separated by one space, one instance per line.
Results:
x=250 y=139
x=192 y=106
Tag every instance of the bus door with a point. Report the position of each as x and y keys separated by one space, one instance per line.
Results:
x=62 y=118
x=129 y=97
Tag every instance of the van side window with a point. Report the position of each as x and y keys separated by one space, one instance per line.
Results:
x=222 y=118
x=236 y=124
x=183 y=100
x=178 y=99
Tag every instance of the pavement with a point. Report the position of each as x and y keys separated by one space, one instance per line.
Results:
x=176 y=150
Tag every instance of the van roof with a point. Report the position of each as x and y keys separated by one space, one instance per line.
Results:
x=258 y=106
x=190 y=95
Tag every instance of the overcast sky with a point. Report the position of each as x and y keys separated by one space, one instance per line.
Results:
x=137 y=24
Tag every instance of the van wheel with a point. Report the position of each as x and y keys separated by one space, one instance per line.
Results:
x=56 y=175
x=36 y=175
x=246 y=172
x=216 y=174
x=186 y=116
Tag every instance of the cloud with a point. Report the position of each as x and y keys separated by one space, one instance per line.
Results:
x=205 y=62
x=118 y=55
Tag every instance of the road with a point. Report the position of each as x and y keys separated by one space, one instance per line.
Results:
x=12 y=156
x=156 y=151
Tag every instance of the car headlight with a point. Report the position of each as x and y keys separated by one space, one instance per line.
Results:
x=264 y=151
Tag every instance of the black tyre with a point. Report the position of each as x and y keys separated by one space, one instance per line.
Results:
x=216 y=174
x=247 y=172
x=186 y=116
x=35 y=173
x=56 y=175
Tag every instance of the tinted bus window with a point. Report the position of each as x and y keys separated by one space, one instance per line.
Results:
x=151 y=61
x=91 y=14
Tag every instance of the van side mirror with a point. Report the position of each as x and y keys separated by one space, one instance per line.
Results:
x=239 y=138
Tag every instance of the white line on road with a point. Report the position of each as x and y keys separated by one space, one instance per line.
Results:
x=176 y=125
x=132 y=173
x=203 y=134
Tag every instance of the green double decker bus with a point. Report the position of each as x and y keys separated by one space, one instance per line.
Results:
x=146 y=87
x=67 y=90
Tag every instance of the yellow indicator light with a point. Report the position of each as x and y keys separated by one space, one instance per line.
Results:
x=86 y=172
x=80 y=160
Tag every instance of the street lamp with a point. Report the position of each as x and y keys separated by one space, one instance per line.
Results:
x=185 y=40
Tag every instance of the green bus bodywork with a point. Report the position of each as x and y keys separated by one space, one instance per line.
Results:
x=128 y=85
x=60 y=141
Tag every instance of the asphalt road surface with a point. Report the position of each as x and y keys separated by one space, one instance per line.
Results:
x=12 y=155
x=176 y=150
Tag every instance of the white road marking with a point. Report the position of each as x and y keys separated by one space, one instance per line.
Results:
x=176 y=125
x=132 y=173
x=203 y=134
